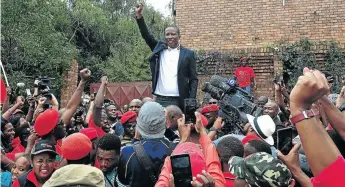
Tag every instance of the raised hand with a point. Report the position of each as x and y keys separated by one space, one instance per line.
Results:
x=104 y=80
x=310 y=87
x=138 y=10
x=85 y=74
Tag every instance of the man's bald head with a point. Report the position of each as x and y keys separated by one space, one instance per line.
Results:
x=262 y=100
x=147 y=99
x=271 y=108
x=172 y=114
x=135 y=105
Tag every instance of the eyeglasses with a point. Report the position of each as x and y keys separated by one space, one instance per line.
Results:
x=210 y=103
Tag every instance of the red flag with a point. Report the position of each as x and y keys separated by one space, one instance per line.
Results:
x=3 y=91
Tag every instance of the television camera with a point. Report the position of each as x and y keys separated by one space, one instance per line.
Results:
x=234 y=103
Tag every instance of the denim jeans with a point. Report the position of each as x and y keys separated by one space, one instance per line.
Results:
x=247 y=89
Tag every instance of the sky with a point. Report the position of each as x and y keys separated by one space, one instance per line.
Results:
x=161 y=6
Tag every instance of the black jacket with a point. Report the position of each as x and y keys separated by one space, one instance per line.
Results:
x=186 y=76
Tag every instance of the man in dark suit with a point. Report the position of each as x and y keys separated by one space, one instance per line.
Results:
x=173 y=67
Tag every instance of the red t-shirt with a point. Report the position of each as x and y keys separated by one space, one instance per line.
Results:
x=332 y=176
x=99 y=130
x=244 y=76
x=229 y=179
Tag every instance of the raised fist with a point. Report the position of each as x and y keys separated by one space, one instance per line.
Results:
x=138 y=10
x=104 y=80
x=85 y=74
x=310 y=87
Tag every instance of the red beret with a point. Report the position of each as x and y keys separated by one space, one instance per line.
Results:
x=129 y=116
x=249 y=138
x=76 y=146
x=91 y=133
x=244 y=59
x=204 y=120
x=209 y=108
x=46 y=122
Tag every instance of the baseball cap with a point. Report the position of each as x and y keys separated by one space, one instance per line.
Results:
x=43 y=146
x=76 y=175
x=197 y=159
x=260 y=169
x=263 y=126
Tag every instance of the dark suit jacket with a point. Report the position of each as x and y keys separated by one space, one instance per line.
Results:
x=186 y=76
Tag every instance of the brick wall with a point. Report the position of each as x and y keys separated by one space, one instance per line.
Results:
x=71 y=83
x=262 y=60
x=227 y=24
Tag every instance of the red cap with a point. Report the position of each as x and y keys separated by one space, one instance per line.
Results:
x=129 y=116
x=244 y=59
x=91 y=133
x=204 y=120
x=197 y=159
x=46 y=122
x=249 y=138
x=209 y=108
x=3 y=91
x=76 y=146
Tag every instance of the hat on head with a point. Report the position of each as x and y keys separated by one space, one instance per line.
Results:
x=151 y=120
x=209 y=108
x=91 y=133
x=76 y=175
x=260 y=169
x=197 y=159
x=204 y=120
x=263 y=126
x=43 y=146
x=76 y=146
x=249 y=138
x=46 y=122
x=129 y=117
x=244 y=59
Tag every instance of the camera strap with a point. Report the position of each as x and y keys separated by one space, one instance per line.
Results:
x=145 y=161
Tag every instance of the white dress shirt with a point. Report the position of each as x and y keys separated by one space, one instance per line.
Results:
x=167 y=80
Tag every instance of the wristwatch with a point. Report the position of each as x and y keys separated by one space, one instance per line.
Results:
x=342 y=107
x=213 y=129
x=306 y=114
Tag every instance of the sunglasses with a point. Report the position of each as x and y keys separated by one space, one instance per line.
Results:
x=210 y=103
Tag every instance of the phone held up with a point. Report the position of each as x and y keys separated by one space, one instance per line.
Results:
x=190 y=106
x=284 y=140
x=181 y=170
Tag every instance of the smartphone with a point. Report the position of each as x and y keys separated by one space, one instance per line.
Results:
x=284 y=140
x=28 y=92
x=190 y=106
x=181 y=170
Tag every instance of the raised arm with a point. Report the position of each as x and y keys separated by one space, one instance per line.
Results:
x=144 y=31
x=91 y=107
x=9 y=112
x=6 y=104
x=74 y=102
x=99 y=100
x=309 y=88
x=193 y=79
x=334 y=116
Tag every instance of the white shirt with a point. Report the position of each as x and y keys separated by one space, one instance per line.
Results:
x=167 y=80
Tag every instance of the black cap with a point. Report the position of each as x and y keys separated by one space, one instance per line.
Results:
x=43 y=146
